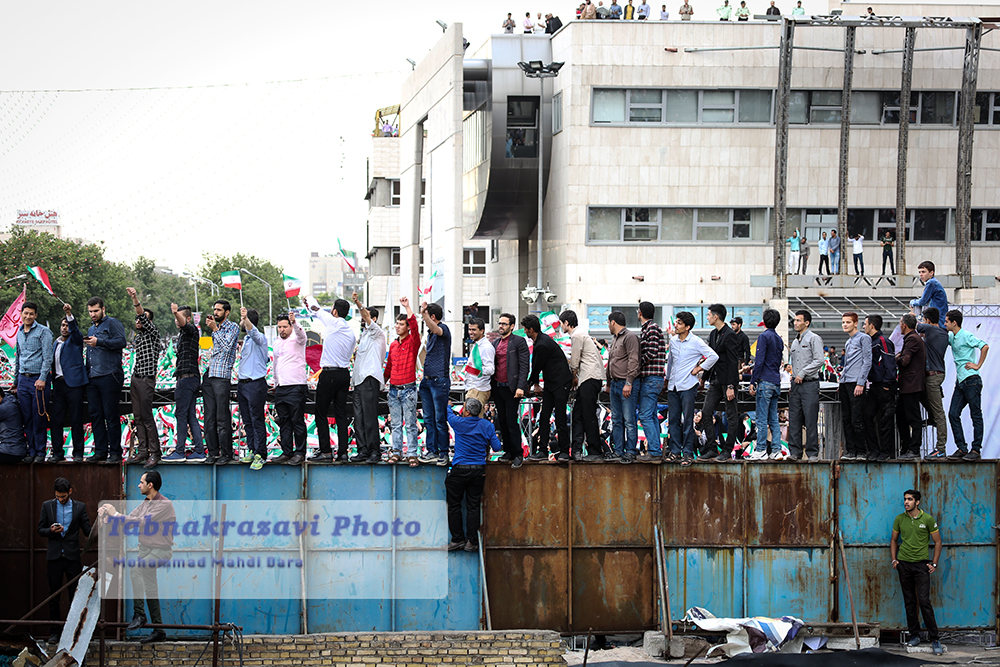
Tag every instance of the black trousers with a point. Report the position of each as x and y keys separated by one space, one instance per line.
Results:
x=507 y=424
x=58 y=572
x=142 y=416
x=555 y=399
x=104 y=395
x=67 y=410
x=464 y=482
x=880 y=406
x=824 y=259
x=852 y=414
x=908 y=422
x=915 y=580
x=218 y=419
x=585 y=418
x=332 y=390
x=717 y=394
x=290 y=405
x=366 y=416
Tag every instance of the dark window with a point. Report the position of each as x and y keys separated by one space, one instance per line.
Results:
x=860 y=221
x=930 y=224
x=522 y=127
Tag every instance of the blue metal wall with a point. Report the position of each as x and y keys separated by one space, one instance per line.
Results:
x=459 y=610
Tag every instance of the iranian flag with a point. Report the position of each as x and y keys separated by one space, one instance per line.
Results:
x=550 y=323
x=38 y=273
x=344 y=254
x=474 y=366
x=292 y=286
x=232 y=279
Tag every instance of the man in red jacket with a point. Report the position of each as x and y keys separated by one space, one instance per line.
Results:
x=401 y=374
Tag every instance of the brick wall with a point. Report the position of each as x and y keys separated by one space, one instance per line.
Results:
x=526 y=647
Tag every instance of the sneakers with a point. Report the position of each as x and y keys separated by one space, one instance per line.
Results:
x=936 y=455
x=777 y=456
x=914 y=641
x=593 y=458
x=757 y=455
x=972 y=456
x=248 y=458
x=196 y=457
x=456 y=546
x=723 y=457
x=516 y=463
x=441 y=460
x=611 y=457
x=175 y=455
x=706 y=456
x=257 y=462
x=427 y=457
x=848 y=456
x=957 y=455
x=907 y=456
x=937 y=648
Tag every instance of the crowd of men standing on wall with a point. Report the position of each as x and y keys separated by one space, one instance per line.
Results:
x=878 y=386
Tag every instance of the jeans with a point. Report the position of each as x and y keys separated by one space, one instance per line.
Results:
x=835 y=260
x=218 y=418
x=185 y=396
x=717 y=393
x=67 y=410
x=859 y=259
x=366 y=416
x=104 y=394
x=680 y=420
x=933 y=400
x=403 y=414
x=880 y=406
x=803 y=409
x=887 y=255
x=143 y=421
x=585 y=424
x=434 y=401
x=647 y=390
x=915 y=580
x=767 y=416
x=624 y=434
x=968 y=392
x=853 y=419
x=507 y=421
x=144 y=586
x=33 y=414
x=252 y=394
x=290 y=404
x=332 y=388
x=464 y=482
x=554 y=399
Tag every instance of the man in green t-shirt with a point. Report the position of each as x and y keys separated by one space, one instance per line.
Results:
x=917 y=528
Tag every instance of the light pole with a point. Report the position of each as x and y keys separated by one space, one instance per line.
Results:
x=270 y=319
x=535 y=69
x=212 y=287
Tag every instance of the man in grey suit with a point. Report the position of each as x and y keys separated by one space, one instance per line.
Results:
x=63 y=520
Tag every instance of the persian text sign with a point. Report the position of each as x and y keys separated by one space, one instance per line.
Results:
x=37 y=218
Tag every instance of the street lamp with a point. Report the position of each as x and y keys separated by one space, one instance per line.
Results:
x=212 y=287
x=270 y=319
x=535 y=69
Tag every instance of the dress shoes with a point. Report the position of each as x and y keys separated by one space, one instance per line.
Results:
x=321 y=457
x=151 y=463
x=295 y=460
x=156 y=636
x=281 y=458
x=138 y=620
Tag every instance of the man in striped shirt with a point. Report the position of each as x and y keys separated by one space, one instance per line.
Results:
x=146 y=346
x=219 y=384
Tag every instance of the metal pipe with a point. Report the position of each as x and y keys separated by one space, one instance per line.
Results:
x=218 y=588
x=850 y=593
x=482 y=570
x=850 y=35
x=541 y=178
x=50 y=597
x=270 y=310
x=963 y=183
x=569 y=546
x=695 y=49
x=781 y=157
x=903 y=147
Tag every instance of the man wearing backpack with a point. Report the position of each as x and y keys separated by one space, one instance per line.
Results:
x=880 y=403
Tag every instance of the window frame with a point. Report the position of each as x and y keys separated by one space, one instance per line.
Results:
x=470 y=267
x=557 y=119
x=397 y=197
x=656 y=220
x=394 y=266
x=664 y=101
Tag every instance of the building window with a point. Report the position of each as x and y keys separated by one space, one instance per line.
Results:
x=930 y=224
x=985 y=224
x=651 y=225
x=868 y=107
x=475 y=139
x=394 y=261
x=474 y=262
x=657 y=106
x=522 y=127
x=397 y=196
x=557 y=121
x=987 y=109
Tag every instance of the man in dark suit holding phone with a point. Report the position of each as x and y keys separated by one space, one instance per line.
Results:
x=63 y=520
x=69 y=384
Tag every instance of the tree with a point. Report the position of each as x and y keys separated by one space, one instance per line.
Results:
x=157 y=290
x=254 y=292
x=76 y=270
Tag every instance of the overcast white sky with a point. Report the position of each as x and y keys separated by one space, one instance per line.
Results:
x=276 y=170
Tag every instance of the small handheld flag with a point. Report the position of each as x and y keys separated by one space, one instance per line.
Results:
x=292 y=286
x=474 y=367
x=38 y=273
x=232 y=279
x=343 y=254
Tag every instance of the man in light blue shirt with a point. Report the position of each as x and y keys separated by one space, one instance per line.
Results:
x=857 y=364
x=683 y=365
x=824 y=254
x=218 y=384
x=934 y=294
x=969 y=388
x=251 y=392
x=793 y=252
x=32 y=364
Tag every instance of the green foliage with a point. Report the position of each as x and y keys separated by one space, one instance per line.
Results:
x=157 y=290
x=254 y=291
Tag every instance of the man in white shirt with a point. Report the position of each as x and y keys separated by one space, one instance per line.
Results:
x=334 y=379
x=859 y=253
x=689 y=356
x=643 y=13
x=479 y=369
x=664 y=14
x=368 y=382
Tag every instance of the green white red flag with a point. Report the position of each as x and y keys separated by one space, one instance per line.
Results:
x=292 y=286
x=474 y=366
x=38 y=273
x=232 y=279
x=344 y=253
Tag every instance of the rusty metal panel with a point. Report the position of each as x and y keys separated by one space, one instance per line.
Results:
x=525 y=507
x=790 y=582
x=788 y=504
x=702 y=506
x=709 y=578
x=962 y=497
x=613 y=589
x=527 y=588
x=613 y=506
x=869 y=498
